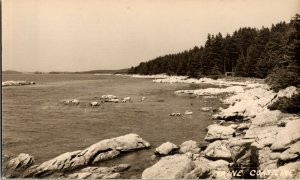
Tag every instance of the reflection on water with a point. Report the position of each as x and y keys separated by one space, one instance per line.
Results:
x=35 y=121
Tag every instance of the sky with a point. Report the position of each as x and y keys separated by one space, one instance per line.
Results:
x=80 y=35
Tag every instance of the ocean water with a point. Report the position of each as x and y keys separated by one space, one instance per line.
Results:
x=35 y=121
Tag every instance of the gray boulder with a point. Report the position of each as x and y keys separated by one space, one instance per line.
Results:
x=170 y=167
x=287 y=135
x=100 y=151
x=206 y=109
x=166 y=148
x=287 y=171
x=218 y=150
x=189 y=146
x=292 y=153
x=99 y=172
x=23 y=161
x=218 y=132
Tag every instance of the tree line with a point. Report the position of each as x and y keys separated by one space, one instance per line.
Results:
x=248 y=52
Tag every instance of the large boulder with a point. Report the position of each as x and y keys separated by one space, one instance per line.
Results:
x=166 y=148
x=244 y=126
x=292 y=153
x=287 y=135
x=17 y=83
x=264 y=136
x=242 y=156
x=220 y=169
x=218 y=150
x=201 y=171
x=246 y=105
x=189 y=146
x=218 y=132
x=206 y=109
x=23 y=161
x=100 y=151
x=266 y=118
x=170 y=167
x=267 y=161
x=288 y=171
x=99 y=172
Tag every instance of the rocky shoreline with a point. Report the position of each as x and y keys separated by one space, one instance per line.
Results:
x=258 y=143
x=247 y=140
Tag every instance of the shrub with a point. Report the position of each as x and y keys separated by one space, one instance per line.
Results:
x=288 y=105
x=282 y=77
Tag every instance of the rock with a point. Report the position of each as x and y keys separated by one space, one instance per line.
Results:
x=126 y=99
x=206 y=109
x=166 y=148
x=287 y=135
x=99 y=172
x=240 y=150
x=169 y=167
x=100 y=151
x=95 y=103
x=292 y=153
x=176 y=114
x=109 y=97
x=266 y=118
x=242 y=155
x=17 y=83
x=23 y=161
x=202 y=169
x=144 y=98
x=203 y=145
x=220 y=169
x=264 y=136
x=287 y=92
x=288 y=171
x=233 y=126
x=198 y=173
x=266 y=162
x=189 y=146
x=217 y=132
x=244 y=126
x=6 y=157
x=188 y=112
x=114 y=100
x=74 y=101
x=281 y=123
x=246 y=105
x=213 y=91
x=218 y=150
x=153 y=157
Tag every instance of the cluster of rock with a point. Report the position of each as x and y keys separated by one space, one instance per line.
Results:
x=187 y=112
x=71 y=101
x=70 y=161
x=265 y=145
x=185 y=79
x=184 y=161
x=212 y=91
x=104 y=98
x=175 y=114
x=17 y=83
x=99 y=172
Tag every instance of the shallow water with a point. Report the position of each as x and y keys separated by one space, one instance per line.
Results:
x=36 y=122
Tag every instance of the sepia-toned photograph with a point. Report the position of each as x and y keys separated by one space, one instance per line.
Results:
x=150 y=89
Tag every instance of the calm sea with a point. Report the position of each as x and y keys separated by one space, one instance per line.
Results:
x=35 y=121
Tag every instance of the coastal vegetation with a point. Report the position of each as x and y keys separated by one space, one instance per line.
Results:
x=271 y=53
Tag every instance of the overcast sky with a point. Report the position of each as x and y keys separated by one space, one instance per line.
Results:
x=77 y=35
